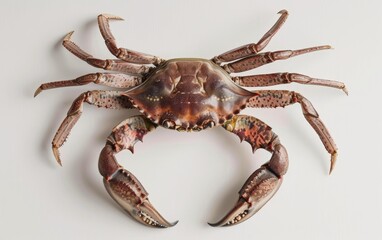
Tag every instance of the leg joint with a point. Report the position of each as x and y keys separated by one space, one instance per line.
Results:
x=306 y=105
x=77 y=105
x=279 y=161
x=95 y=62
x=107 y=164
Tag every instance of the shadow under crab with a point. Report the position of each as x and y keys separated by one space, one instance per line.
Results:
x=190 y=94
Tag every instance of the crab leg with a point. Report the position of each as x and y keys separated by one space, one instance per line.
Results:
x=122 y=185
x=252 y=48
x=282 y=98
x=265 y=181
x=106 y=79
x=108 y=64
x=122 y=53
x=261 y=59
x=272 y=79
x=105 y=99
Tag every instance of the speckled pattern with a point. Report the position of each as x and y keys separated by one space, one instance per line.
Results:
x=190 y=94
x=265 y=181
x=251 y=130
x=121 y=184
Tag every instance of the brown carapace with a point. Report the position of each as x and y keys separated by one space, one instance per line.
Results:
x=190 y=94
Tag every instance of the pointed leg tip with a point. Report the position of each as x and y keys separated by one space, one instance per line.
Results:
x=37 y=92
x=333 y=162
x=110 y=16
x=56 y=154
x=331 y=168
x=345 y=91
x=322 y=47
x=68 y=36
x=284 y=11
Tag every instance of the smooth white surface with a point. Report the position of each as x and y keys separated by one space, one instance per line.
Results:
x=191 y=177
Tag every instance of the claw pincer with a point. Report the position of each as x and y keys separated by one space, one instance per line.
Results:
x=121 y=184
x=265 y=181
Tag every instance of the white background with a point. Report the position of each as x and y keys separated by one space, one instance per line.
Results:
x=193 y=177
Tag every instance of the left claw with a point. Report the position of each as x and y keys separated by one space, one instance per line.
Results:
x=121 y=184
x=127 y=191
x=256 y=192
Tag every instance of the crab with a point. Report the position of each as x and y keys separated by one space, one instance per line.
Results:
x=190 y=94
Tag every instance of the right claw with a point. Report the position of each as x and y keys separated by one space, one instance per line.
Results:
x=256 y=192
x=128 y=192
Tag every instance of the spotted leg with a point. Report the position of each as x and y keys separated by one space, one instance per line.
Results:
x=122 y=185
x=262 y=80
x=108 y=64
x=105 y=99
x=122 y=53
x=252 y=48
x=282 y=98
x=106 y=79
x=265 y=181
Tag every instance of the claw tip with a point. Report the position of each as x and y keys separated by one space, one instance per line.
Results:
x=131 y=149
x=174 y=223
x=219 y=224
x=214 y=224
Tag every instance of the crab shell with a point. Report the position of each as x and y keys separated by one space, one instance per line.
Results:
x=189 y=95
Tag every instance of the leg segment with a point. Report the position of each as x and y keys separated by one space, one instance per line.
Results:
x=252 y=48
x=282 y=98
x=105 y=99
x=122 y=53
x=108 y=64
x=265 y=181
x=122 y=185
x=272 y=79
x=106 y=79
x=261 y=59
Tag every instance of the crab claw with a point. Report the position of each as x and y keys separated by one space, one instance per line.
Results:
x=128 y=192
x=256 y=192
x=121 y=184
